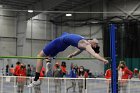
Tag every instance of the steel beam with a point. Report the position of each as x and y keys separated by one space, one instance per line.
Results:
x=123 y=11
x=78 y=7
x=133 y=10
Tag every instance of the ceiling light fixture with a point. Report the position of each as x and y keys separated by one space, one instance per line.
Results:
x=30 y=11
x=68 y=14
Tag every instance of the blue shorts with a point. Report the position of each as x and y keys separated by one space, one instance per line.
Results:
x=54 y=47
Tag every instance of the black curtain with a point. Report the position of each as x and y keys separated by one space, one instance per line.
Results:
x=132 y=40
x=127 y=40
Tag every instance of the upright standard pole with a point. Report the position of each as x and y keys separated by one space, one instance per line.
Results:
x=114 y=79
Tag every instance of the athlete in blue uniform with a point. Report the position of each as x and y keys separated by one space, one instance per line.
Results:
x=60 y=44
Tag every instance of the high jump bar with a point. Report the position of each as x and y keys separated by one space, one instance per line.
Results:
x=57 y=58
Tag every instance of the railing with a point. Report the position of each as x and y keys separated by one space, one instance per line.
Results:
x=12 y=84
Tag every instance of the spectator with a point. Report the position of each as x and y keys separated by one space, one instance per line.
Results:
x=72 y=75
x=139 y=75
x=108 y=76
x=21 y=71
x=90 y=75
x=123 y=71
x=57 y=70
x=123 y=74
x=87 y=73
x=32 y=70
x=108 y=73
x=2 y=71
x=81 y=74
x=21 y=80
x=63 y=68
x=28 y=70
x=16 y=68
x=11 y=70
x=42 y=72
x=57 y=73
x=136 y=72
x=7 y=70
x=49 y=72
x=76 y=69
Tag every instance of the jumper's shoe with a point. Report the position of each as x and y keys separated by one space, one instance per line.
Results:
x=34 y=83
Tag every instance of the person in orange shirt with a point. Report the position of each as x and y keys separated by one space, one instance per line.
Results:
x=108 y=73
x=123 y=75
x=21 y=71
x=17 y=67
x=108 y=76
x=63 y=68
x=42 y=72
x=21 y=79
x=12 y=70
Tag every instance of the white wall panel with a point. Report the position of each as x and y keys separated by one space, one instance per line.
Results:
x=36 y=29
x=7 y=47
x=7 y=26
